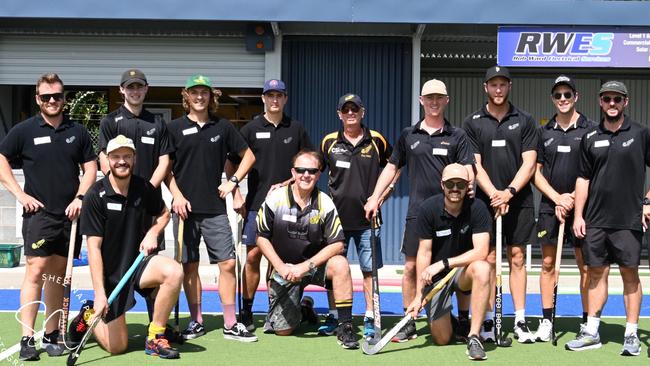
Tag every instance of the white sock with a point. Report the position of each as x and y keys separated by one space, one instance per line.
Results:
x=631 y=328
x=489 y=315
x=592 y=325
x=520 y=316
x=334 y=313
x=370 y=314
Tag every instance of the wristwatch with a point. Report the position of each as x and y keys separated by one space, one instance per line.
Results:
x=234 y=180
x=80 y=196
x=312 y=265
x=512 y=190
x=646 y=201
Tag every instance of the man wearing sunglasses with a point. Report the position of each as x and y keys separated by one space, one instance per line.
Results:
x=50 y=149
x=558 y=160
x=611 y=212
x=300 y=233
x=454 y=231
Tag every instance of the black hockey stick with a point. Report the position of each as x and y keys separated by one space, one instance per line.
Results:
x=498 y=303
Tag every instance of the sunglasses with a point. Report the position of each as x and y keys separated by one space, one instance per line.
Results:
x=450 y=185
x=567 y=95
x=311 y=171
x=46 y=97
x=608 y=99
x=352 y=108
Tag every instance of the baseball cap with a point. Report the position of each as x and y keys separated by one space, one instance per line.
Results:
x=495 y=71
x=613 y=86
x=434 y=86
x=274 y=85
x=118 y=142
x=563 y=80
x=198 y=80
x=349 y=98
x=455 y=170
x=131 y=76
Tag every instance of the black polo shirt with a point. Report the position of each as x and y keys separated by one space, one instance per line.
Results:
x=353 y=173
x=614 y=163
x=199 y=158
x=500 y=145
x=121 y=222
x=559 y=154
x=148 y=132
x=298 y=234
x=50 y=159
x=274 y=148
x=426 y=156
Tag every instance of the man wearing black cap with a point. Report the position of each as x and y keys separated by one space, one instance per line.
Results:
x=355 y=156
x=558 y=160
x=275 y=139
x=611 y=212
x=504 y=140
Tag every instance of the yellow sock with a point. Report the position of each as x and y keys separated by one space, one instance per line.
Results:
x=154 y=329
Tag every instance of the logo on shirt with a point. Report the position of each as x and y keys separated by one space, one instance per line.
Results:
x=315 y=217
x=70 y=139
x=288 y=140
x=548 y=142
x=338 y=150
x=136 y=203
x=627 y=143
x=215 y=138
x=476 y=116
x=444 y=143
x=464 y=229
x=541 y=234
x=415 y=144
x=591 y=134
x=513 y=126
x=151 y=131
x=365 y=152
x=102 y=193
x=119 y=118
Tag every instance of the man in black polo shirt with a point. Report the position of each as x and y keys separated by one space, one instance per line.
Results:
x=300 y=234
x=504 y=140
x=454 y=231
x=426 y=148
x=116 y=221
x=50 y=149
x=275 y=139
x=202 y=142
x=355 y=156
x=611 y=212
x=558 y=160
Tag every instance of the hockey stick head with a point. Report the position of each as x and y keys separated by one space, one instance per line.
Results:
x=504 y=342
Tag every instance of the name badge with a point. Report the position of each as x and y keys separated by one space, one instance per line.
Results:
x=263 y=135
x=42 y=140
x=498 y=143
x=601 y=143
x=190 y=131
x=114 y=206
x=563 y=148
x=287 y=217
x=147 y=140
x=445 y=232
x=343 y=164
x=438 y=151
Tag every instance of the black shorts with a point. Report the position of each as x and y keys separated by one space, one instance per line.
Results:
x=518 y=226
x=46 y=234
x=605 y=246
x=125 y=301
x=548 y=227
x=410 y=240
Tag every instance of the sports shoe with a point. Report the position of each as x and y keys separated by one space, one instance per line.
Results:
x=193 y=330
x=522 y=333
x=631 y=346
x=246 y=318
x=79 y=325
x=368 y=327
x=346 y=336
x=584 y=341
x=407 y=333
x=307 y=310
x=238 y=332
x=544 y=331
x=51 y=344
x=475 y=349
x=173 y=336
x=28 y=350
x=160 y=347
x=487 y=331
x=329 y=326
x=460 y=329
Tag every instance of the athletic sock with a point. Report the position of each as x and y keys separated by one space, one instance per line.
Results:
x=155 y=329
x=248 y=305
x=463 y=315
x=631 y=328
x=520 y=316
x=334 y=313
x=370 y=314
x=547 y=313
x=229 y=318
x=592 y=325
x=150 y=306
x=344 y=308
x=584 y=317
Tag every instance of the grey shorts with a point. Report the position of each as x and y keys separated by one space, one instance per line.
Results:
x=284 y=300
x=216 y=232
x=441 y=302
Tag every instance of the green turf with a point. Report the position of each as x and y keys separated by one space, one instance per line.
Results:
x=307 y=348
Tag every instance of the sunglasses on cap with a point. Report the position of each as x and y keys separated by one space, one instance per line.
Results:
x=311 y=171
x=451 y=184
x=46 y=97
x=607 y=99
x=567 y=95
x=352 y=108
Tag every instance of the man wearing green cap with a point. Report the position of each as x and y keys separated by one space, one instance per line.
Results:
x=202 y=141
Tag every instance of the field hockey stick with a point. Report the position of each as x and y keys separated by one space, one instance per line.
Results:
x=498 y=303
x=239 y=264
x=74 y=354
x=373 y=349
x=558 y=260
x=376 y=313
x=179 y=259
x=67 y=285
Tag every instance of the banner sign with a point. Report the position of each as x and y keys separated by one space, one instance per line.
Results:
x=573 y=47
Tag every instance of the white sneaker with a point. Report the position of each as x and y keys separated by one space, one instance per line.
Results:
x=487 y=331
x=544 y=331
x=522 y=333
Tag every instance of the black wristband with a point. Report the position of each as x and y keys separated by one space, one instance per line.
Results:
x=445 y=262
x=512 y=190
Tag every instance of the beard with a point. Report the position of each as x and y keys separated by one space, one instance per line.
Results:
x=48 y=113
x=614 y=118
x=119 y=174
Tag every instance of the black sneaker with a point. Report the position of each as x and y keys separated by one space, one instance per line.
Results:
x=475 y=349
x=173 y=336
x=346 y=336
x=28 y=350
x=407 y=333
x=160 y=347
x=487 y=331
x=246 y=318
x=460 y=328
x=307 y=310
x=239 y=333
x=51 y=344
x=193 y=330
x=79 y=325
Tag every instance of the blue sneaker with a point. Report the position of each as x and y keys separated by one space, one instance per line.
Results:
x=329 y=326
x=368 y=327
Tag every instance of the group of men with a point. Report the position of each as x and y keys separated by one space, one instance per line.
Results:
x=459 y=180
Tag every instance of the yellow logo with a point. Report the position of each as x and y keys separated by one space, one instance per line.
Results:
x=541 y=234
x=366 y=149
x=38 y=244
x=200 y=80
x=132 y=72
x=349 y=96
x=314 y=219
